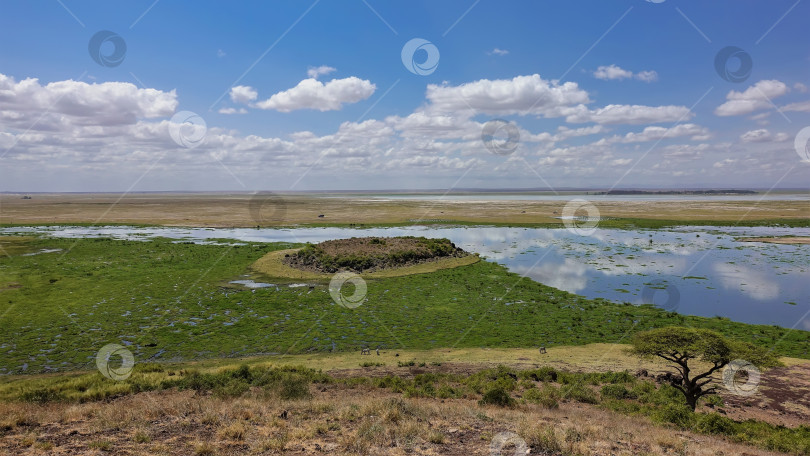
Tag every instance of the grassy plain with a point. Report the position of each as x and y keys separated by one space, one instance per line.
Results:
x=247 y=210
x=170 y=301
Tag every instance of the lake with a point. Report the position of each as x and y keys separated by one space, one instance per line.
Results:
x=692 y=270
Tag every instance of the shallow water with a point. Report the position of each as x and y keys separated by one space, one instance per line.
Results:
x=693 y=270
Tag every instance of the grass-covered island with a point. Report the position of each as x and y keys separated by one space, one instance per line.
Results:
x=371 y=254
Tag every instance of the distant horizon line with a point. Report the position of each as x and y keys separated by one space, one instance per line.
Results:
x=421 y=191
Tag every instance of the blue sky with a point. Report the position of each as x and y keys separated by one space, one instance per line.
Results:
x=306 y=95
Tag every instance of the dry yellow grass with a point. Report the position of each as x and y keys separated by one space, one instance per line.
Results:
x=580 y=358
x=272 y=265
x=336 y=421
x=226 y=210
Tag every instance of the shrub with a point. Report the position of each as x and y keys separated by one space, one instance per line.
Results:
x=679 y=414
x=294 y=386
x=713 y=400
x=544 y=374
x=548 y=396
x=497 y=396
x=579 y=393
x=234 y=388
x=447 y=391
x=617 y=392
x=713 y=423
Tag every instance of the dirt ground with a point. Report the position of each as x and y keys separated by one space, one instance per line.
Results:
x=248 y=210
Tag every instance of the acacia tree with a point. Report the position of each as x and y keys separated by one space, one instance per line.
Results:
x=681 y=346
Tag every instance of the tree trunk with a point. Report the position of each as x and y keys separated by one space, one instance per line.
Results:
x=691 y=401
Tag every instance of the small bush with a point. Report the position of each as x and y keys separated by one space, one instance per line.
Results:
x=447 y=391
x=544 y=374
x=548 y=396
x=714 y=423
x=616 y=392
x=497 y=396
x=543 y=439
x=713 y=400
x=294 y=387
x=234 y=388
x=579 y=393
x=436 y=437
x=679 y=414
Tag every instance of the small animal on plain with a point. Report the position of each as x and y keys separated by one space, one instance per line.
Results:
x=378 y=352
x=542 y=349
x=365 y=351
x=283 y=415
x=321 y=216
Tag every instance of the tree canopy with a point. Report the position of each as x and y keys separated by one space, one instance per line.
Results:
x=680 y=346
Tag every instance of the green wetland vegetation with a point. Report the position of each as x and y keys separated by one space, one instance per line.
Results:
x=171 y=302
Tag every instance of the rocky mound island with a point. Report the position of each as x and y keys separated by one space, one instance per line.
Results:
x=370 y=254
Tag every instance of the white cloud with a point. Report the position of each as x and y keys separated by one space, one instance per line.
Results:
x=243 y=94
x=314 y=72
x=653 y=133
x=565 y=132
x=520 y=95
x=64 y=105
x=532 y=95
x=763 y=135
x=313 y=94
x=426 y=148
x=233 y=111
x=647 y=76
x=612 y=72
x=757 y=97
x=801 y=106
x=615 y=72
x=497 y=51
x=629 y=114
